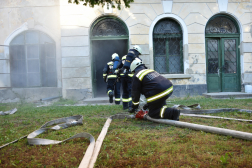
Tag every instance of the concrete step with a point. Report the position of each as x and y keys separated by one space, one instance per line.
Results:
x=228 y=95
x=97 y=100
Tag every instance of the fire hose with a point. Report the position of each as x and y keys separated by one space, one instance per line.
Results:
x=92 y=151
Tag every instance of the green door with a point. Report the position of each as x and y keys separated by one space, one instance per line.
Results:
x=223 y=73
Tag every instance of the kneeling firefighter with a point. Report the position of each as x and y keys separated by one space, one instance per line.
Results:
x=126 y=79
x=155 y=88
x=113 y=83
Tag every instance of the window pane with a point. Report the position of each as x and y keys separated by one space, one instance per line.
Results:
x=159 y=46
x=18 y=80
x=18 y=66
x=221 y=25
x=32 y=37
x=17 y=52
x=212 y=54
x=160 y=64
x=32 y=51
x=50 y=50
x=49 y=79
x=33 y=79
x=230 y=56
x=50 y=65
x=174 y=64
x=18 y=40
x=33 y=65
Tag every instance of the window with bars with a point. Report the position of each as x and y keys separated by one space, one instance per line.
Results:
x=168 y=47
x=33 y=60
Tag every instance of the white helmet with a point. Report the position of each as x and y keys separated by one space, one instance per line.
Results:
x=114 y=56
x=136 y=47
x=135 y=64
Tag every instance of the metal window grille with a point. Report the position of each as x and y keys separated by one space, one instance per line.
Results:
x=213 y=55
x=221 y=25
x=168 y=47
x=109 y=27
x=33 y=60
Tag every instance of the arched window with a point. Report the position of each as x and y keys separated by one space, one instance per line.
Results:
x=168 y=47
x=109 y=27
x=33 y=60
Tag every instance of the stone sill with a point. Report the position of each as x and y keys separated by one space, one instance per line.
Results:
x=177 y=76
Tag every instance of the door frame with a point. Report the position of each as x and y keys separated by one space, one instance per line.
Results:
x=124 y=37
x=221 y=38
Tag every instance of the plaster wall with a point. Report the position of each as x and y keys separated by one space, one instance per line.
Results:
x=192 y=15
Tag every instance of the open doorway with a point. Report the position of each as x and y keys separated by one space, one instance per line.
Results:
x=102 y=51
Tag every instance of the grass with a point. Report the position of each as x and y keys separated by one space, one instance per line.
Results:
x=129 y=142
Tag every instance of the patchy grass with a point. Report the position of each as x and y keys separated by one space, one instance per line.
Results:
x=128 y=143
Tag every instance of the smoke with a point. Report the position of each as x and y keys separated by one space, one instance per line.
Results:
x=102 y=51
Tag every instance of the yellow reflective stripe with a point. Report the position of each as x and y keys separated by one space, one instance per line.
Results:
x=130 y=75
x=145 y=73
x=135 y=103
x=140 y=72
x=126 y=100
x=110 y=63
x=117 y=99
x=109 y=91
x=104 y=74
x=160 y=95
x=162 y=111
x=112 y=76
x=121 y=74
x=124 y=57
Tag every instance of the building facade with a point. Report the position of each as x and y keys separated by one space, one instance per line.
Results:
x=52 y=48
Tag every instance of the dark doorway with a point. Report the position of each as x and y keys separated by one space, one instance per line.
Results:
x=102 y=51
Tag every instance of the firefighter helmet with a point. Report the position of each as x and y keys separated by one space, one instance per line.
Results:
x=135 y=64
x=114 y=56
x=136 y=47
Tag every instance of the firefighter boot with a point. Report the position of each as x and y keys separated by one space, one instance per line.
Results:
x=125 y=105
x=175 y=114
x=111 y=97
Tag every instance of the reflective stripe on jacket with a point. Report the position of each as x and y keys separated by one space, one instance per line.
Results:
x=151 y=84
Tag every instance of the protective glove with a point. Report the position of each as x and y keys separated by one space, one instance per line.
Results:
x=146 y=106
x=105 y=79
x=126 y=71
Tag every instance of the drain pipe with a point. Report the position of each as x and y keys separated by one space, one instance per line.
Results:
x=50 y=98
x=221 y=131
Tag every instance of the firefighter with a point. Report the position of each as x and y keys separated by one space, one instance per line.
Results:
x=126 y=79
x=113 y=83
x=132 y=54
x=155 y=88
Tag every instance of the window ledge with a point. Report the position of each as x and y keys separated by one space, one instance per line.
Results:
x=177 y=76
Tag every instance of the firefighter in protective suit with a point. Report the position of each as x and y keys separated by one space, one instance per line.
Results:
x=155 y=88
x=126 y=79
x=132 y=54
x=110 y=76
